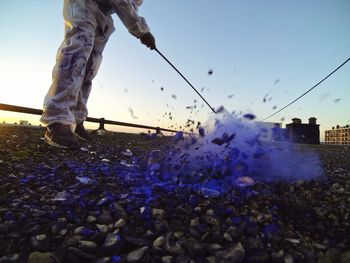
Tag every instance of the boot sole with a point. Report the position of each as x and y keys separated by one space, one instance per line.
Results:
x=82 y=138
x=54 y=144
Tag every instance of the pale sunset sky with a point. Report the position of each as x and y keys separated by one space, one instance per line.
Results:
x=258 y=51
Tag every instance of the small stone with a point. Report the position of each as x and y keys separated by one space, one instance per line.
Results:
x=87 y=245
x=38 y=257
x=227 y=237
x=105 y=218
x=90 y=219
x=234 y=253
x=211 y=259
x=73 y=240
x=178 y=234
x=40 y=237
x=157 y=212
x=102 y=228
x=136 y=255
x=159 y=241
x=288 y=259
x=111 y=239
x=120 y=223
x=167 y=259
x=63 y=232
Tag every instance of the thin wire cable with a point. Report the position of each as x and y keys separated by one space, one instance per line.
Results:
x=302 y=95
x=301 y=74
x=184 y=79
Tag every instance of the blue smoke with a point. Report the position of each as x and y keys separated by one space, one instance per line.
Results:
x=230 y=151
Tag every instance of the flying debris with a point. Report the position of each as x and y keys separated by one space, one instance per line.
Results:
x=126 y=90
x=274 y=107
x=276 y=81
x=210 y=72
x=220 y=109
x=265 y=97
x=230 y=96
x=161 y=88
x=132 y=113
x=174 y=96
x=337 y=100
x=249 y=116
x=201 y=131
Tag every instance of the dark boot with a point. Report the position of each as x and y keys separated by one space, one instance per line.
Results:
x=82 y=133
x=61 y=136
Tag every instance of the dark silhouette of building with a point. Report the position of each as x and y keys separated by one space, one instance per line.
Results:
x=307 y=133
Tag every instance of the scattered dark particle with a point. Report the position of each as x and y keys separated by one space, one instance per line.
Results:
x=193 y=140
x=152 y=80
x=161 y=88
x=249 y=116
x=220 y=109
x=194 y=101
x=230 y=138
x=132 y=113
x=230 y=96
x=282 y=119
x=217 y=141
x=174 y=96
x=126 y=90
x=201 y=131
x=337 y=100
x=202 y=89
x=265 y=97
x=198 y=124
x=270 y=99
x=210 y=72
x=274 y=107
x=189 y=107
x=276 y=81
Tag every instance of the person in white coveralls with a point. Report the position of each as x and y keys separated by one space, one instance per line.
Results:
x=88 y=26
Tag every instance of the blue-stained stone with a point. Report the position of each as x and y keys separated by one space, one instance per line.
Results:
x=115 y=259
x=178 y=137
x=270 y=231
x=201 y=131
x=9 y=216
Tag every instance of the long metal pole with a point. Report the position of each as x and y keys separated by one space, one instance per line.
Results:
x=184 y=79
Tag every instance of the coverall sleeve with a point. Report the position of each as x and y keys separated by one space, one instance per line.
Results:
x=127 y=11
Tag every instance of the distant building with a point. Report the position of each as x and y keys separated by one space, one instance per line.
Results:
x=338 y=135
x=270 y=131
x=306 y=133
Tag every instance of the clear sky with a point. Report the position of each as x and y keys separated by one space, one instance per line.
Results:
x=257 y=49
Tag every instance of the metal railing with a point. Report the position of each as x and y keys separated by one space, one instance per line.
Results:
x=101 y=121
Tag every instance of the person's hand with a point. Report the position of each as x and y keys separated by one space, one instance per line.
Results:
x=148 y=40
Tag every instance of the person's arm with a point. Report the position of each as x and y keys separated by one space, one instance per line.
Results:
x=127 y=10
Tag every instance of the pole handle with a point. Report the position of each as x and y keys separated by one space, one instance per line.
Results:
x=160 y=53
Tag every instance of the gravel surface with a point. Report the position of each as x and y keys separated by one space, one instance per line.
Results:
x=98 y=204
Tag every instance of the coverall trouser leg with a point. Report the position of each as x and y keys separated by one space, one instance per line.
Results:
x=78 y=59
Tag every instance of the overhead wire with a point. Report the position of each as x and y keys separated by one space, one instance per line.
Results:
x=306 y=92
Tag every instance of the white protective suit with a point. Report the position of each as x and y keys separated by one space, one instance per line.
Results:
x=88 y=25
